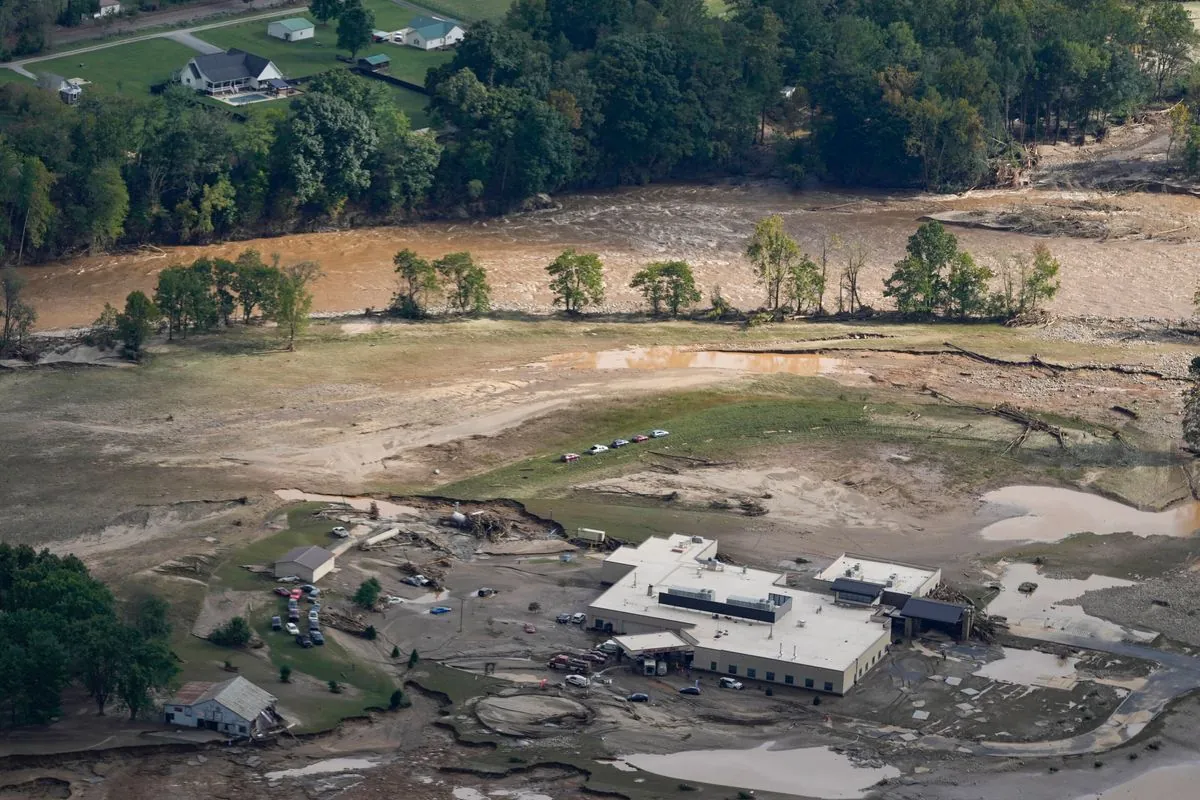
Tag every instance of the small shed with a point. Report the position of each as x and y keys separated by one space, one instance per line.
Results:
x=310 y=564
x=922 y=614
x=292 y=29
x=235 y=706
x=376 y=63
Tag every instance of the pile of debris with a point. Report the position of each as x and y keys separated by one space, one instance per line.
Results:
x=343 y=621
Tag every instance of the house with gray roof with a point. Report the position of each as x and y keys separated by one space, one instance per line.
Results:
x=309 y=564
x=430 y=33
x=235 y=706
x=230 y=72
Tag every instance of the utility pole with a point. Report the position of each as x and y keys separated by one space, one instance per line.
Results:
x=461 y=611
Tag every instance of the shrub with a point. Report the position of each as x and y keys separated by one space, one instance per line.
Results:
x=368 y=593
x=370 y=633
x=335 y=687
x=234 y=633
x=413 y=658
x=395 y=651
x=285 y=674
x=399 y=700
x=535 y=607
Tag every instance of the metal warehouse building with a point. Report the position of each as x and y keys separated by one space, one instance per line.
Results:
x=735 y=620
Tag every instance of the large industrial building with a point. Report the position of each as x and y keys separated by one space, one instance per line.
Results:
x=672 y=595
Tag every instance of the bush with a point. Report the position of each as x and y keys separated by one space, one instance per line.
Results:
x=535 y=607
x=399 y=700
x=285 y=674
x=413 y=658
x=370 y=633
x=234 y=633
x=396 y=651
x=368 y=593
x=335 y=687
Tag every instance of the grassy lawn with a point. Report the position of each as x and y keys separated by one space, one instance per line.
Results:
x=8 y=76
x=127 y=69
x=303 y=529
x=469 y=10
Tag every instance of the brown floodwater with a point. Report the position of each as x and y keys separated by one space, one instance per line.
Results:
x=706 y=225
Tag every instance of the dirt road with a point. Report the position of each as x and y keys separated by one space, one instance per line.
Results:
x=708 y=225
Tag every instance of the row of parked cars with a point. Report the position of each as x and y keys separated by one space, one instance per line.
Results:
x=314 y=635
x=657 y=433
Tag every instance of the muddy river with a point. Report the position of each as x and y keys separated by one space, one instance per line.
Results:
x=707 y=225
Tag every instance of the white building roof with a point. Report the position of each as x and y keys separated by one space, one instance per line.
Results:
x=674 y=549
x=814 y=631
x=651 y=642
x=906 y=578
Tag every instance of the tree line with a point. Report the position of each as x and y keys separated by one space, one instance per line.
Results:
x=573 y=93
x=61 y=627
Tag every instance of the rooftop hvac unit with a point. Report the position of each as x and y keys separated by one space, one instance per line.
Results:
x=799 y=623
x=849 y=573
x=857 y=567
x=695 y=594
x=697 y=540
x=759 y=603
x=890 y=582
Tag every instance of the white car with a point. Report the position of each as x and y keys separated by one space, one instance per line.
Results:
x=658 y=433
x=340 y=532
x=730 y=683
x=577 y=680
x=288 y=579
x=596 y=448
x=313 y=615
x=292 y=629
x=391 y=600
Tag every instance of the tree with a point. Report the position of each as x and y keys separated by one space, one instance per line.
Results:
x=256 y=283
x=335 y=687
x=285 y=673
x=324 y=10
x=370 y=634
x=395 y=651
x=136 y=322
x=368 y=593
x=468 y=290
x=418 y=279
x=398 y=700
x=103 y=657
x=107 y=205
x=1041 y=283
x=150 y=618
x=772 y=252
x=326 y=149
x=18 y=315
x=293 y=300
x=234 y=633
x=224 y=272
x=577 y=280
x=804 y=285
x=355 y=25
x=104 y=330
x=413 y=658
x=856 y=259
x=917 y=284
x=966 y=286
x=668 y=283
x=1169 y=38
x=36 y=183
x=150 y=666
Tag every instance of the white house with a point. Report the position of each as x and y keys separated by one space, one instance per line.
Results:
x=235 y=706
x=107 y=9
x=229 y=72
x=291 y=30
x=310 y=564
x=430 y=33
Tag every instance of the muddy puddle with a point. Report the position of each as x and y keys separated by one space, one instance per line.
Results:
x=1031 y=668
x=328 y=766
x=1047 y=514
x=661 y=358
x=1157 y=784
x=811 y=771
x=706 y=225
x=1046 y=610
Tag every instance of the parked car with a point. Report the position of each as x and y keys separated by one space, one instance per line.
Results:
x=288 y=579
x=638 y=439
x=313 y=615
x=486 y=592
x=690 y=690
x=529 y=628
x=611 y=647
x=658 y=433
x=292 y=629
x=276 y=624
x=415 y=580
x=304 y=641
x=314 y=594
x=317 y=637
x=619 y=442
x=577 y=680
x=393 y=601
x=283 y=591
x=578 y=618
x=569 y=457
x=294 y=615
x=440 y=610
x=730 y=683
x=314 y=625
x=563 y=618
x=596 y=448
x=293 y=603
x=340 y=532
x=307 y=588
x=638 y=697
x=595 y=658
x=296 y=594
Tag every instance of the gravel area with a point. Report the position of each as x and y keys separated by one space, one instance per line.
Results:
x=1170 y=605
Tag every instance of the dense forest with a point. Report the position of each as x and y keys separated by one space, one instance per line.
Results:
x=938 y=94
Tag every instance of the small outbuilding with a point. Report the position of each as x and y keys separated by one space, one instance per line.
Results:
x=376 y=63
x=108 y=8
x=922 y=614
x=235 y=706
x=850 y=592
x=310 y=564
x=291 y=30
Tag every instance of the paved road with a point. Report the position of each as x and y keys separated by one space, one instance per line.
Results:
x=20 y=66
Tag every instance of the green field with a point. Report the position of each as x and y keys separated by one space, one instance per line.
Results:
x=468 y=10
x=8 y=76
x=128 y=68
x=718 y=8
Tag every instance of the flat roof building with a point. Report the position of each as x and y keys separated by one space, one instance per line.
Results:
x=739 y=621
x=898 y=581
x=309 y=564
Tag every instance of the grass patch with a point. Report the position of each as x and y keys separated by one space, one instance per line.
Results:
x=303 y=529
x=8 y=76
x=718 y=8
x=469 y=10
x=126 y=69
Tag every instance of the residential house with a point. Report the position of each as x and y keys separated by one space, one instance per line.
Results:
x=309 y=564
x=69 y=91
x=235 y=706
x=230 y=72
x=430 y=33
x=291 y=30
x=107 y=9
